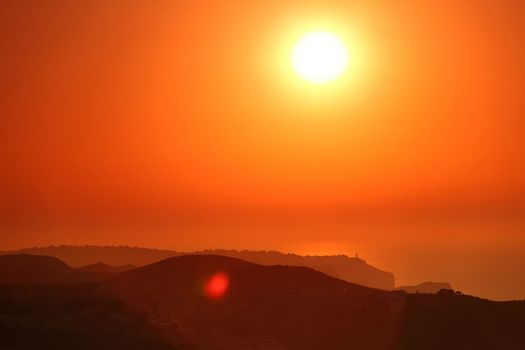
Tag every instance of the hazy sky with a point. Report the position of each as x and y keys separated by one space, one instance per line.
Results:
x=181 y=125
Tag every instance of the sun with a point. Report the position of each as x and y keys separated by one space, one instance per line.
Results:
x=320 y=57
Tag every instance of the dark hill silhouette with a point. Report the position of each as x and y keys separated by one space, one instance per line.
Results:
x=426 y=287
x=105 y=268
x=353 y=270
x=124 y=268
x=174 y=275
x=65 y=317
x=36 y=269
x=78 y=256
x=164 y=306
x=33 y=269
x=298 y=308
x=287 y=307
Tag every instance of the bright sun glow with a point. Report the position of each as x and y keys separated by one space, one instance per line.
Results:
x=320 y=57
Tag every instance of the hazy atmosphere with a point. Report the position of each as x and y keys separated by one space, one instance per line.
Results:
x=181 y=125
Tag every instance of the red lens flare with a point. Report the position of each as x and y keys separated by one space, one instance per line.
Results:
x=217 y=285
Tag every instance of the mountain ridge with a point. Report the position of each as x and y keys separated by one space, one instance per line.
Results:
x=354 y=270
x=41 y=269
x=167 y=305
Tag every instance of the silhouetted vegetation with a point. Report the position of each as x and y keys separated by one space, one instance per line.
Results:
x=71 y=317
x=163 y=306
x=451 y=321
x=426 y=287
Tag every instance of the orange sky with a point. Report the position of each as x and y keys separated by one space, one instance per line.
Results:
x=179 y=125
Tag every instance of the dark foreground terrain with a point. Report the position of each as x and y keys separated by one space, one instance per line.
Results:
x=164 y=306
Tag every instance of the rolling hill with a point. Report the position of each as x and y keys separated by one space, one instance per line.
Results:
x=202 y=302
x=285 y=306
x=298 y=308
x=37 y=269
x=350 y=269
